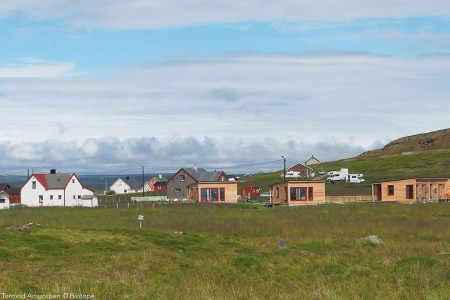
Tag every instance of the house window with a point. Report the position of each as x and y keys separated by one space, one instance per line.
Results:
x=409 y=192
x=159 y=187
x=73 y=180
x=310 y=193
x=51 y=197
x=182 y=177
x=177 y=190
x=59 y=197
x=390 y=190
x=213 y=194
x=41 y=199
x=2 y=200
x=79 y=196
x=74 y=197
x=277 y=192
x=299 y=194
x=222 y=194
x=33 y=185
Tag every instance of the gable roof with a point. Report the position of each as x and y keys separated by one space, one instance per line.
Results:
x=4 y=186
x=312 y=159
x=200 y=174
x=57 y=181
x=42 y=179
x=133 y=184
x=299 y=166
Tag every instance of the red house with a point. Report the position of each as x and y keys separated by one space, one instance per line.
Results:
x=249 y=192
x=304 y=171
x=160 y=186
x=13 y=192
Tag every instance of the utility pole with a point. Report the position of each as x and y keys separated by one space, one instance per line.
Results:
x=284 y=168
x=143 y=181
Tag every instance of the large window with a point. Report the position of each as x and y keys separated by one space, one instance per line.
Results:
x=390 y=190
x=213 y=194
x=33 y=185
x=182 y=177
x=409 y=192
x=302 y=193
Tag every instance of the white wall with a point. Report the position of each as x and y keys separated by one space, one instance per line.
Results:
x=30 y=196
x=4 y=197
x=71 y=196
x=120 y=187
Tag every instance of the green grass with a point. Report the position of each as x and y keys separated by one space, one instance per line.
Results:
x=229 y=252
x=377 y=169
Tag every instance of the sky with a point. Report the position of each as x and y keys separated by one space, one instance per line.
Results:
x=94 y=86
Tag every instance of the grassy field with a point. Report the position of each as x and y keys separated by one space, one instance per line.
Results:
x=375 y=169
x=229 y=252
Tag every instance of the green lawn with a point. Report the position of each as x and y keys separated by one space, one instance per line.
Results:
x=229 y=252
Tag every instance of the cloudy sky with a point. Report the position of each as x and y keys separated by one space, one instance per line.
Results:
x=106 y=86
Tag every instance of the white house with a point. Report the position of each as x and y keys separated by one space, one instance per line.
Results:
x=127 y=185
x=4 y=200
x=56 y=189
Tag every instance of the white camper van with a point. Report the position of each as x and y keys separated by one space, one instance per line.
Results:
x=292 y=174
x=337 y=175
x=354 y=178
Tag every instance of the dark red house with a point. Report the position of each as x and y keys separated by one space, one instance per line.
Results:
x=304 y=171
x=249 y=192
x=160 y=186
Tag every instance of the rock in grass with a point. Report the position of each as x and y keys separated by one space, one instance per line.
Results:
x=282 y=244
x=27 y=227
x=373 y=239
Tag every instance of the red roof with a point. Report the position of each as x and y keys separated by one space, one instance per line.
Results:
x=42 y=179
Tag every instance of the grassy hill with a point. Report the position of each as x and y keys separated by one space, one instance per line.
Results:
x=389 y=163
x=431 y=141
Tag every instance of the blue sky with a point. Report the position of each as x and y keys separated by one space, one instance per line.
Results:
x=174 y=83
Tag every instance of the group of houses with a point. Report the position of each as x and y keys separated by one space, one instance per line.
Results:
x=199 y=185
x=52 y=189
x=129 y=185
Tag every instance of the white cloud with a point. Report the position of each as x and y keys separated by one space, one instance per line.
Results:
x=118 y=14
x=36 y=68
x=225 y=109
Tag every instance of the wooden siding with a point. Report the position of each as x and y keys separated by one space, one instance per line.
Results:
x=424 y=189
x=282 y=192
x=230 y=188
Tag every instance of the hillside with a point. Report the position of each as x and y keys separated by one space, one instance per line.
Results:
x=428 y=156
x=431 y=141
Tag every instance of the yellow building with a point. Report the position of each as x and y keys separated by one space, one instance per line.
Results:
x=298 y=192
x=220 y=192
x=414 y=189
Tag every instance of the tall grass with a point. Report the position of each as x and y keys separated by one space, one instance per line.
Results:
x=226 y=252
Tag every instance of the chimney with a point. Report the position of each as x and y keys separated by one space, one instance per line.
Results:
x=195 y=168
x=52 y=171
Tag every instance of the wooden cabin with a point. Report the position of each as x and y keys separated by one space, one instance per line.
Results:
x=217 y=192
x=298 y=192
x=409 y=190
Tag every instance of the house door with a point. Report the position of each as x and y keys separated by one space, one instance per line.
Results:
x=441 y=191
x=377 y=192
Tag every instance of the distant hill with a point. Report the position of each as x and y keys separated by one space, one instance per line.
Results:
x=429 y=156
x=431 y=141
